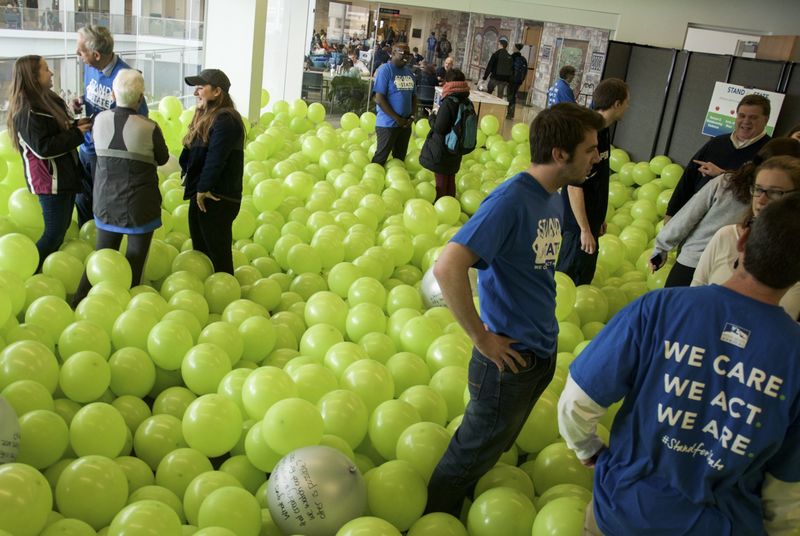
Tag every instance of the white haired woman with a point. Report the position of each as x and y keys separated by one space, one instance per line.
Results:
x=127 y=200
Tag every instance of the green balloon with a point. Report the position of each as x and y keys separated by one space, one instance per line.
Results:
x=27 y=395
x=85 y=376
x=232 y=508
x=212 y=425
x=156 y=437
x=26 y=502
x=370 y=380
x=92 y=489
x=98 y=428
x=501 y=510
x=557 y=464
x=18 y=254
x=44 y=437
x=422 y=445
x=145 y=518
x=108 y=265
x=167 y=343
x=397 y=493
x=203 y=367
x=344 y=415
x=263 y=387
x=368 y=526
x=561 y=517
x=509 y=476
x=292 y=423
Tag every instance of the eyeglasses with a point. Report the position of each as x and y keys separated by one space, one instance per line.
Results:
x=772 y=195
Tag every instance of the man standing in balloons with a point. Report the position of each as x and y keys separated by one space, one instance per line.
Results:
x=513 y=240
x=96 y=50
x=585 y=205
x=396 y=99
x=705 y=441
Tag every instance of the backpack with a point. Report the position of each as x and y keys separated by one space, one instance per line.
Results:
x=520 y=68
x=463 y=136
x=505 y=64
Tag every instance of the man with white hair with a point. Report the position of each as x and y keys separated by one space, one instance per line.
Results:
x=129 y=147
x=96 y=50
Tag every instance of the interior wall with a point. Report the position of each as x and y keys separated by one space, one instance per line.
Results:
x=653 y=22
x=714 y=41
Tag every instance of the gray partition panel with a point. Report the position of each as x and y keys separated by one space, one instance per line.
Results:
x=673 y=101
x=790 y=111
x=616 y=59
x=648 y=72
x=703 y=72
x=761 y=74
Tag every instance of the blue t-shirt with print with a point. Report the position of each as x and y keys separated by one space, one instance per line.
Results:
x=560 y=92
x=516 y=232
x=711 y=381
x=98 y=95
x=397 y=85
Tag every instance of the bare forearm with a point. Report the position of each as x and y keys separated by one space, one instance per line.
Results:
x=386 y=107
x=578 y=204
x=454 y=284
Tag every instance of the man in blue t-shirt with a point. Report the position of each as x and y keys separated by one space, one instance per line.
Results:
x=432 y=42
x=706 y=439
x=513 y=241
x=396 y=101
x=96 y=50
x=561 y=91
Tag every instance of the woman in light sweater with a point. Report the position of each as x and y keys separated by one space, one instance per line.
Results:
x=775 y=178
x=720 y=202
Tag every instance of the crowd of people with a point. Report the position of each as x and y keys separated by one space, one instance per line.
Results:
x=99 y=154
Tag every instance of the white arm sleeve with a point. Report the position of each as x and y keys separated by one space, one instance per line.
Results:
x=781 y=502
x=578 y=416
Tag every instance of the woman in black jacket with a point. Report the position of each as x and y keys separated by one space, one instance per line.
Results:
x=43 y=130
x=212 y=164
x=434 y=155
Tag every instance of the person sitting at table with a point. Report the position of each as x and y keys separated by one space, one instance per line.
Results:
x=426 y=75
x=442 y=71
x=416 y=57
x=363 y=70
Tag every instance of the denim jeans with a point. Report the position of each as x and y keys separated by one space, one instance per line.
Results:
x=57 y=213
x=499 y=404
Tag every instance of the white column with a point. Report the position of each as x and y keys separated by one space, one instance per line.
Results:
x=288 y=35
x=234 y=43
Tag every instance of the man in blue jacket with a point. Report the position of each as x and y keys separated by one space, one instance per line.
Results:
x=96 y=50
x=561 y=90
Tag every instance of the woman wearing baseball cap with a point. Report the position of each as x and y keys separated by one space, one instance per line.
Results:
x=212 y=164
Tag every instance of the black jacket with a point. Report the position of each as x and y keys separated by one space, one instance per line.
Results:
x=216 y=166
x=434 y=155
x=49 y=153
x=492 y=67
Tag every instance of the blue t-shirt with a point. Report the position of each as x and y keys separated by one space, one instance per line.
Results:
x=711 y=381
x=97 y=96
x=516 y=232
x=431 y=43
x=398 y=87
x=559 y=92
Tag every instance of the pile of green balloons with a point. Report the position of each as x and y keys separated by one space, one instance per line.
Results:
x=162 y=408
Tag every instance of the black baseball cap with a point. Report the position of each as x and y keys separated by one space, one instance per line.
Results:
x=214 y=77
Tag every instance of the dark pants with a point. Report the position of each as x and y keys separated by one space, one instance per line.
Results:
x=211 y=231
x=57 y=213
x=679 y=276
x=83 y=201
x=575 y=262
x=391 y=140
x=511 y=95
x=498 y=406
x=445 y=185
x=136 y=253
x=501 y=86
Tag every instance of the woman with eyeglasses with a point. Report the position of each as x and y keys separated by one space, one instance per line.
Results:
x=775 y=178
x=719 y=203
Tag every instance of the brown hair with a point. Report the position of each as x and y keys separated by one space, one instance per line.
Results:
x=27 y=91
x=564 y=126
x=755 y=100
x=609 y=92
x=742 y=179
x=565 y=71
x=789 y=164
x=770 y=254
x=204 y=118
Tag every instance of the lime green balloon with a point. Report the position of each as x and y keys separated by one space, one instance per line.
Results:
x=564 y=490
x=232 y=508
x=170 y=107
x=541 y=426
x=44 y=437
x=617 y=158
x=450 y=382
x=344 y=415
x=132 y=372
x=146 y=518
x=215 y=531
x=326 y=308
x=437 y=524
x=85 y=376
x=258 y=338
x=226 y=336
x=520 y=132
x=65 y=268
x=98 y=428
x=591 y=304
x=557 y=464
x=27 y=395
x=220 y=290
x=26 y=501
x=101 y=310
x=178 y=468
x=349 y=121
x=203 y=367
x=156 y=437
x=417 y=336
x=212 y=425
x=83 y=335
x=489 y=125
x=407 y=370
x=388 y=422
x=365 y=318
x=108 y=265
x=195 y=262
x=368 y=526
x=24 y=209
x=316 y=112
x=370 y=380
x=69 y=527
x=397 y=493
x=671 y=174
x=167 y=343
x=263 y=388
x=503 y=475
x=173 y=401
x=642 y=173
x=201 y=487
x=131 y=328
x=92 y=489
x=28 y=360
x=422 y=445
x=563 y=516
x=501 y=511
x=367 y=121
x=50 y=312
x=136 y=471
x=419 y=217
x=644 y=209
x=40 y=285
x=611 y=252
x=292 y=423
x=314 y=381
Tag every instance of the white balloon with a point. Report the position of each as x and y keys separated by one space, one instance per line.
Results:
x=9 y=432
x=432 y=293
x=314 y=491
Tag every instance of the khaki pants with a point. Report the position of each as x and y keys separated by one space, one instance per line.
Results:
x=590 y=527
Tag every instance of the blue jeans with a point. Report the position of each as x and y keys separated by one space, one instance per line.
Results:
x=499 y=404
x=429 y=57
x=83 y=201
x=57 y=213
